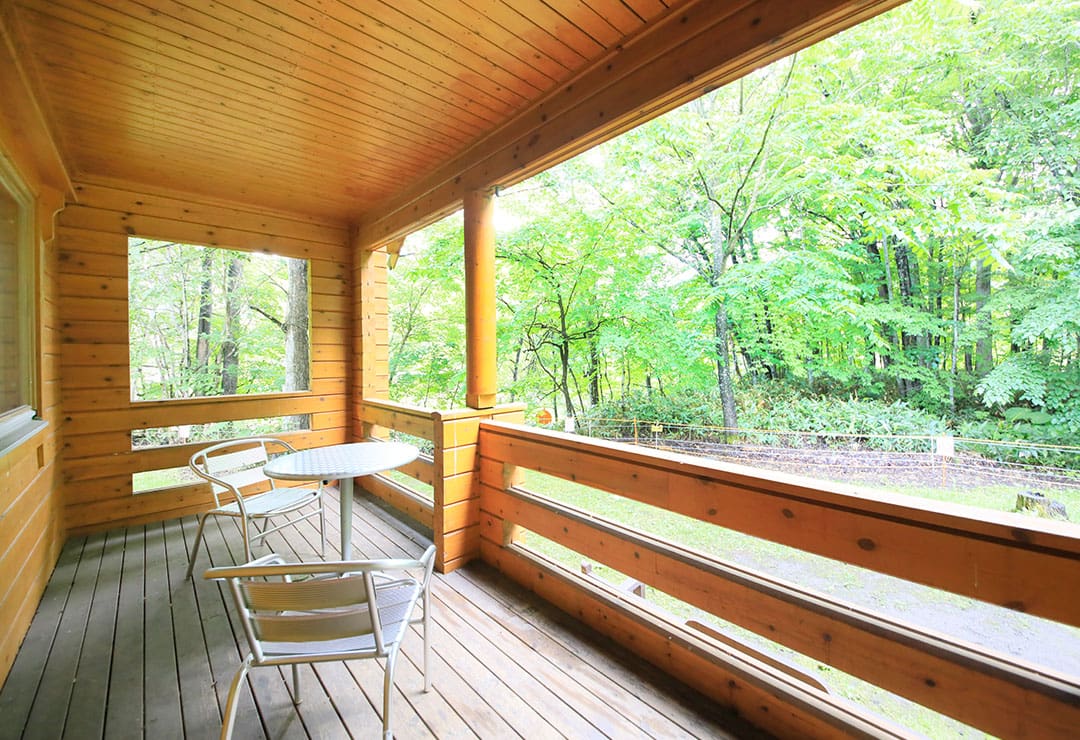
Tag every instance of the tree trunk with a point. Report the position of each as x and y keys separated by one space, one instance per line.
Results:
x=297 y=345
x=564 y=377
x=206 y=311
x=908 y=342
x=594 y=372
x=230 y=349
x=957 y=274
x=884 y=291
x=723 y=367
x=984 y=345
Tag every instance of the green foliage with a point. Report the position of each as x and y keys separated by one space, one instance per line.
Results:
x=172 y=285
x=777 y=407
x=427 y=318
x=891 y=216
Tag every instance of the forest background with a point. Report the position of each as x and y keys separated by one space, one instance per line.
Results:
x=879 y=234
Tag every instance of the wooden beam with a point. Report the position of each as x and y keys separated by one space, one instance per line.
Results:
x=705 y=44
x=24 y=124
x=481 y=380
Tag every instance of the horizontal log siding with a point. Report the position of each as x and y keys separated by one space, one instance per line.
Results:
x=31 y=508
x=98 y=415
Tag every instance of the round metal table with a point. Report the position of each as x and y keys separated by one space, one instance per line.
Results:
x=343 y=463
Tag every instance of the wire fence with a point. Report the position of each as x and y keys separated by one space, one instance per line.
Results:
x=907 y=463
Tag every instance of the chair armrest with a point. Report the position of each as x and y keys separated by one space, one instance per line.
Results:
x=272 y=560
x=257 y=569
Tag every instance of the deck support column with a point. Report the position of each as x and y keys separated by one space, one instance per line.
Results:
x=482 y=383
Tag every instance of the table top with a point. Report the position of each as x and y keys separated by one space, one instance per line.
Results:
x=341 y=461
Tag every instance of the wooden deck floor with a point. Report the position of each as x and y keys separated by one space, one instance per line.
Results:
x=123 y=647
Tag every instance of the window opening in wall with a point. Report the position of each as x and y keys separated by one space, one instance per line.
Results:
x=207 y=321
x=155 y=480
x=217 y=431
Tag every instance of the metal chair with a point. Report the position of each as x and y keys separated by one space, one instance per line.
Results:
x=343 y=611
x=236 y=465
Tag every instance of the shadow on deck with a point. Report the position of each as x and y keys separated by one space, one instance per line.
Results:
x=123 y=646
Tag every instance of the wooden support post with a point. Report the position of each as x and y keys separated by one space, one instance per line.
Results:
x=481 y=384
x=370 y=372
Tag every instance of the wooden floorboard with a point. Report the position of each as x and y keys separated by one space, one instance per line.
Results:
x=91 y=689
x=21 y=687
x=123 y=646
x=123 y=713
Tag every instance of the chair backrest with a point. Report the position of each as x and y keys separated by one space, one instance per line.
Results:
x=235 y=465
x=309 y=611
x=339 y=602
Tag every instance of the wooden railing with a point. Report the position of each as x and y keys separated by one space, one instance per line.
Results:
x=1027 y=564
x=453 y=511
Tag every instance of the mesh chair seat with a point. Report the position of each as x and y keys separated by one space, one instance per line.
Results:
x=273 y=502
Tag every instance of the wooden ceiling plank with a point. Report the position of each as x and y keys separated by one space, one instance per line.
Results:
x=184 y=104
x=173 y=146
x=590 y=22
x=222 y=48
x=618 y=14
x=483 y=30
x=276 y=158
x=107 y=192
x=219 y=166
x=413 y=38
x=361 y=48
x=80 y=50
x=675 y=61
x=38 y=147
x=647 y=10
x=526 y=63
x=240 y=184
x=529 y=32
x=178 y=46
x=538 y=14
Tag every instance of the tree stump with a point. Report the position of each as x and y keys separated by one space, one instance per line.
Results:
x=1039 y=505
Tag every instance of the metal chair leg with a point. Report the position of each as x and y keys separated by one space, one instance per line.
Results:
x=427 y=639
x=234 y=697
x=296 y=683
x=388 y=692
x=195 y=549
x=322 y=527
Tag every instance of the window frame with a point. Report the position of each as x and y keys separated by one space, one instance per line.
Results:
x=19 y=423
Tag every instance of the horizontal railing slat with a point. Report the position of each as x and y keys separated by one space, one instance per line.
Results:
x=1020 y=562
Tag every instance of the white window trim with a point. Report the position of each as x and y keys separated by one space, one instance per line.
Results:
x=16 y=427
x=19 y=424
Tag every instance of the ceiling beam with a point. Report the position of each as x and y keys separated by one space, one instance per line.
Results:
x=695 y=48
x=24 y=126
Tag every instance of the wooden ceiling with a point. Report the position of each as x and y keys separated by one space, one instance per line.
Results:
x=354 y=109
x=322 y=106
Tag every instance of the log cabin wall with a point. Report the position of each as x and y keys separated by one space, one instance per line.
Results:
x=31 y=508
x=99 y=415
